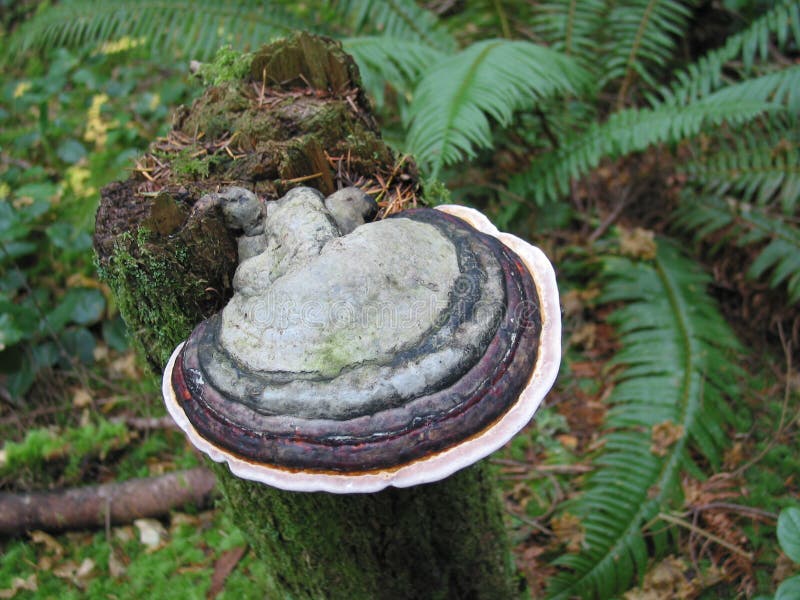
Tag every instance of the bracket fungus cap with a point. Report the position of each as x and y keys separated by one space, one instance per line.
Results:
x=353 y=401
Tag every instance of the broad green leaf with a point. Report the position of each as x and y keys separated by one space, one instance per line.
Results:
x=11 y=226
x=45 y=354
x=115 y=334
x=11 y=281
x=88 y=307
x=19 y=371
x=35 y=199
x=79 y=344
x=17 y=322
x=66 y=236
x=71 y=151
x=10 y=334
x=789 y=532
x=83 y=306
x=18 y=249
x=789 y=589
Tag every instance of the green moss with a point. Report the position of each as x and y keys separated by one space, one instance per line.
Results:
x=228 y=65
x=148 y=296
x=443 y=540
x=27 y=459
x=191 y=164
x=436 y=192
x=182 y=568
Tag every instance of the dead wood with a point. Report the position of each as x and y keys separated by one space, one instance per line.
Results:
x=111 y=503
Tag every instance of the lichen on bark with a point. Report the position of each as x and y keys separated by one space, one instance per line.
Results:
x=297 y=116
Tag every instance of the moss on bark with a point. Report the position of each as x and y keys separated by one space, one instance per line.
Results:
x=438 y=541
x=298 y=114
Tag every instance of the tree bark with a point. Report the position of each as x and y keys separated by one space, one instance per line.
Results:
x=296 y=114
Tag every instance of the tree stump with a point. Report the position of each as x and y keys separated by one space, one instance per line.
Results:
x=292 y=113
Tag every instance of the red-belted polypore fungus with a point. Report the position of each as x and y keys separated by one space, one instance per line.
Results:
x=357 y=356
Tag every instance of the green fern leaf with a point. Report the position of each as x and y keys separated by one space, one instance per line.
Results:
x=195 y=28
x=571 y=27
x=676 y=347
x=449 y=115
x=399 y=19
x=634 y=130
x=642 y=38
x=781 y=24
x=760 y=166
x=383 y=60
x=748 y=225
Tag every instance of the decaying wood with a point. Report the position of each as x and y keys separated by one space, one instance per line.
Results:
x=114 y=503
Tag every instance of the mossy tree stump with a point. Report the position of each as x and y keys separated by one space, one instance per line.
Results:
x=293 y=112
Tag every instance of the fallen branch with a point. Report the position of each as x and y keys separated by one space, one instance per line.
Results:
x=94 y=506
x=147 y=423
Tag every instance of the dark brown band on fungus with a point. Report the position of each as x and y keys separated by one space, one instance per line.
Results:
x=428 y=424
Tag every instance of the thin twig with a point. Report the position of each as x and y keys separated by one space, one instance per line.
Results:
x=736 y=507
x=707 y=534
x=303 y=178
x=610 y=219
x=528 y=521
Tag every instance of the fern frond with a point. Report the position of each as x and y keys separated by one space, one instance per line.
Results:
x=634 y=130
x=748 y=225
x=760 y=166
x=449 y=115
x=195 y=28
x=642 y=38
x=676 y=346
x=400 y=19
x=781 y=24
x=383 y=59
x=780 y=87
x=571 y=27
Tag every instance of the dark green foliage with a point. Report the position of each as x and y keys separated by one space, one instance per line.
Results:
x=449 y=115
x=746 y=193
x=633 y=130
x=384 y=59
x=670 y=397
x=780 y=26
x=746 y=225
x=761 y=166
x=641 y=40
x=398 y=19
x=197 y=31
x=573 y=27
